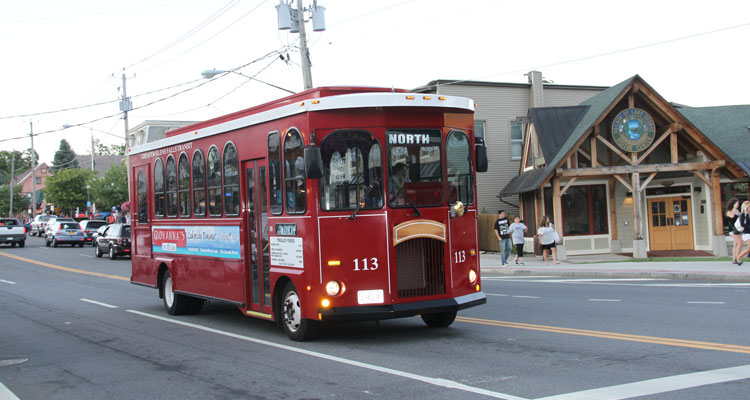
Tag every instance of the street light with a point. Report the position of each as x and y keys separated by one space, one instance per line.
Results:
x=210 y=73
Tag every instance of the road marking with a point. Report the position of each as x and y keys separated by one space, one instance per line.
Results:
x=86 y=255
x=8 y=282
x=432 y=381
x=611 y=335
x=53 y=266
x=6 y=394
x=659 y=385
x=605 y=300
x=98 y=303
x=705 y=302
x=498 y=295
x=503 y=278
x=525 y=297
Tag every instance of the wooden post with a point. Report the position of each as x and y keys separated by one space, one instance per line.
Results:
x=673 y=147
x=637 y=212
x=594 y=157
x=557 y=205
x=718 y=216
x=612 y=209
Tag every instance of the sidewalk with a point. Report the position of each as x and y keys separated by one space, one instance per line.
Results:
x=618 y=266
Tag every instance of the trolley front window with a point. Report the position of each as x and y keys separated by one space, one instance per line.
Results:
x=352 y=171
x=459 y=175
x=415 y=167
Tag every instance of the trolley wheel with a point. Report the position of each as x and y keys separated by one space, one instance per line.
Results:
x=97 y=251
x=297 y=328
x=112 y=254
x=176 y=304
x=439 y=319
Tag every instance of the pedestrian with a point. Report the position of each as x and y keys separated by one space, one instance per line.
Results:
x=733 y=213
x=503 y=236
x=517 y=232
x=548 y=237
x=744 y=219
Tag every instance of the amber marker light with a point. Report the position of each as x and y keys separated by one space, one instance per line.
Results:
x=441 y=98
x=302 y=103
x=409 y=97
x=477 y=287
x=309 y=288
x=334 y=263
x=472 y=252
x=427 y=97
x=316 y=101
x=325 y=303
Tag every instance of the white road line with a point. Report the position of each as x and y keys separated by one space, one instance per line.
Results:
x=8 y=282
x=705 y=302
x=498 y=295
x=98 y=303
x=503 y=278
x=658 y=385
x=86 y=255
x=605 y=300
x=525 y=297
x=6 y=394
x=585 y=280
x=432 y=381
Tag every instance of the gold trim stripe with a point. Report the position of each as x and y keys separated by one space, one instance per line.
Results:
x=419 y=228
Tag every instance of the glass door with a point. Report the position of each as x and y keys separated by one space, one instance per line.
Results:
x=258 y=262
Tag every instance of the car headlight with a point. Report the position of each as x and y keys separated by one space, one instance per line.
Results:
x=333 y=288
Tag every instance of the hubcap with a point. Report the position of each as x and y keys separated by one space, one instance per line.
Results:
x=292 y=312
x=168 y=293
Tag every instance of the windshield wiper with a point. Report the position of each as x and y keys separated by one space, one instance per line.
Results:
x=364 y=196
x=408 y=200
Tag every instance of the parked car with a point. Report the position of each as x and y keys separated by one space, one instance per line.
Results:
x=115 y=240
x=38 y=224
x=64 y=232
x=89 y=227
x=12 y=231
x=99 y=232
x=52 y=221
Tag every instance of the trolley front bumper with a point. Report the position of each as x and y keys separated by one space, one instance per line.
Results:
x=401 y=310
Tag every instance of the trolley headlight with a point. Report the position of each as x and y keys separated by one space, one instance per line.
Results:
x=333 y=288
x=472 y=276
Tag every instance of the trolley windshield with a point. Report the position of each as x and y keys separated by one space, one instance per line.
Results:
x=415 y=167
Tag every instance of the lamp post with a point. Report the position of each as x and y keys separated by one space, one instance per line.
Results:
x=210 y=73
x=88 y=202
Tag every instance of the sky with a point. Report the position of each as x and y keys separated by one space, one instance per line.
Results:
x=63 y=62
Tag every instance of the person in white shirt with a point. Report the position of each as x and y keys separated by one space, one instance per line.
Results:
x=547 y=234
x=517 y=230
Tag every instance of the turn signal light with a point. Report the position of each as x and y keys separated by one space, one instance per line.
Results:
x=325 y=303
x=409 y=97
x=334 y=263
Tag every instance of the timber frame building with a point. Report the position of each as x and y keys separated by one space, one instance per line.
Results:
x=628 y=171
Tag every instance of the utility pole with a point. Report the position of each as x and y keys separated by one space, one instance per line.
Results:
x=125 y=106
x=33 y=170
x=289 y=18
x=304 y=52
x=12 y=176
x=92 y=147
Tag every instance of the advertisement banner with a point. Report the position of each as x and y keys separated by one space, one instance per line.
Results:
x=211 y=241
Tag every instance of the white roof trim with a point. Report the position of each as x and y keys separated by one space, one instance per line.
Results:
x=355 y=100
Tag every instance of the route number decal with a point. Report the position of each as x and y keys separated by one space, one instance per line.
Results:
x=460 y=256
x=365 y=266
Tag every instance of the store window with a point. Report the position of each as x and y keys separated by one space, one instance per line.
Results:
x=584 y=210
x=734 y=190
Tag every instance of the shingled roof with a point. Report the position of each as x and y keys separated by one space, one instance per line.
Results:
x=728 y=127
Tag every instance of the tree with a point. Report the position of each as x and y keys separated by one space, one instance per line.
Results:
x=66 y=189
x=65 y=157
x=22 y=161
x=20 y=202
x=111 y=189
x=111 y=150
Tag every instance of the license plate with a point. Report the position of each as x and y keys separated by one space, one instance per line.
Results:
x=370 y=296
x=71 y=232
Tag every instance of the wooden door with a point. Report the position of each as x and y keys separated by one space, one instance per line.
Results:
x=670 y=223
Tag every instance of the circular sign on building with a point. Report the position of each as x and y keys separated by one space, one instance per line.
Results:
x=633 y=130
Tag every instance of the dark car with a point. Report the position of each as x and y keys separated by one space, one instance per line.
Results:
x=64 y=232
x=89 y=227
x=115 y=240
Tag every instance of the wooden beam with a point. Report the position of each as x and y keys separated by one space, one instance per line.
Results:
x=716 y=203
x=584 y=153
x=624 y=183
x=637 y=211
x=631 y=99
x=648 y=180
x=667 y=133
x=557 y=205
x=570 y=182
x=705 y=180
x=612 y=210
x=673 y=148
x=647 y=168
x=594 y=158
x=614 y=149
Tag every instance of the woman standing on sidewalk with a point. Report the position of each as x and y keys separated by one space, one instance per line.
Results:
x=733 y=213
x=546 y=234
x=745 y=223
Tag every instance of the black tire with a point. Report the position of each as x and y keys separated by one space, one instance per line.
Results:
x=22 y=244
x=12 y=244
x=439 y=319
x=297 y=328
x=176 y=304
x=46 y=242
x=80 y=244
x=97 y=251
x=112 y=254
x=54 y=242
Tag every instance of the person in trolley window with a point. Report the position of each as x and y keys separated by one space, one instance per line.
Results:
x=399 y=173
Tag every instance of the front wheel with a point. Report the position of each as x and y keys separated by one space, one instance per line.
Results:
x=97 y=251
x=296 y=327
x=439 y=319
x=112 y=254
x=22 y=244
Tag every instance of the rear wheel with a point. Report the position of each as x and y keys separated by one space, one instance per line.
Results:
x=80 y=244
x=22 y=244
x=54 y=242
x=439 y=319
x=176 y=304
x=296 y=327
x=97 y=251
x=112 y=254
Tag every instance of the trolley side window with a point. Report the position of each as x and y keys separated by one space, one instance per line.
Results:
x=159 y=188
x=142 y=198
x=214 y=182
x=353 y=171
x=294 y=173
x=183 y=167
x=231 y=181
x=458 y=167
x=274 y=173
x=171 y=187
x=199 y=184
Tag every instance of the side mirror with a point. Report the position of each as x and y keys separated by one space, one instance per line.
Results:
x=313 y=163
x=480 y=155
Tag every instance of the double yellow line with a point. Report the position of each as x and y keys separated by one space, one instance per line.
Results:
x=53 y=266
x=611 y=335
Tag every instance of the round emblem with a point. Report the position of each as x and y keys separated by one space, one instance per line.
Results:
x=633 y=130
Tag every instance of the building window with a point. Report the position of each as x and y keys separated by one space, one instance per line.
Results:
x=294 y=173
x=183 y=168
x=231 y=181
x=479 y=129
x=274 y=173
x=199 y=184
x=38 y=180
x=171 y=187
x=584 y=210
x=214 y=182
x=159 y=188
x=516 y=140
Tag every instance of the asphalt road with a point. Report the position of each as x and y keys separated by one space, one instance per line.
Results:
x=73 y=327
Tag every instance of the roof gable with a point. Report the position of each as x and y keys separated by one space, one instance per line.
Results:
x=728 y=127
x=553 y=126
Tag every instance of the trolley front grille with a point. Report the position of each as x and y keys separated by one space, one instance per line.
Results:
x=421 y=271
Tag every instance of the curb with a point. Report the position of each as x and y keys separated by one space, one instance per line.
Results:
x=582 y=273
